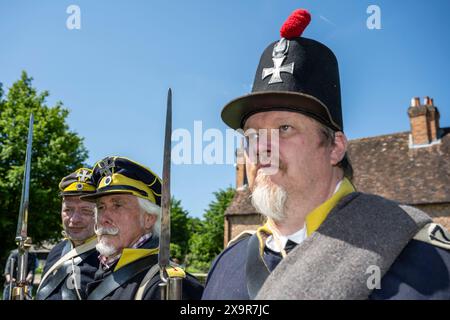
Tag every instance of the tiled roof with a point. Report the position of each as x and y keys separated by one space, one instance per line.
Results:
x=385 y=165
x=241 y=204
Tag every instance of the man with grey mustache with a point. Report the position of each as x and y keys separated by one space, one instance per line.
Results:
x=128 y=199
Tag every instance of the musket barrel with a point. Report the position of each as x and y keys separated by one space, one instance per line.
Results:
x=163 y=290
x=175 y=288
x=11 y=274
x=22 y=266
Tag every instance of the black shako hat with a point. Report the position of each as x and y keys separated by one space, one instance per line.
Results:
x=294 y=74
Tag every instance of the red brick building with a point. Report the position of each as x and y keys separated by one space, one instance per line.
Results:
x=410 y=167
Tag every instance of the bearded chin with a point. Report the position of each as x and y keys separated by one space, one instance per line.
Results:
x=268 y=198
x=105 y=249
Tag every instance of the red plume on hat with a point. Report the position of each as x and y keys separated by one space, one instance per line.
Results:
x=294 y=26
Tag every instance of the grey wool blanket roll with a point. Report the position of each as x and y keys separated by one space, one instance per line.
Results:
x=361 y=232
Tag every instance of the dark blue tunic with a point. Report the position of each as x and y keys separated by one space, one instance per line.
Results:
x=87 y=269
x=192 y=288
x=421 y=271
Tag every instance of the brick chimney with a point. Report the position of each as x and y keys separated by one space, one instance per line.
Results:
x=424 y=119
x=433 y=119
x=241 y=177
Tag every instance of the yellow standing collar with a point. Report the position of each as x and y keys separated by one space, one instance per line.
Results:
x=130 y=255
x=319 y=214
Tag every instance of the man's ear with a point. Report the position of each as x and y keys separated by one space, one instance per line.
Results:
x=338 y=148
x=149 y=221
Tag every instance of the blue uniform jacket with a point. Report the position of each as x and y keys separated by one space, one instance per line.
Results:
x=87 y=268
x=421 y=271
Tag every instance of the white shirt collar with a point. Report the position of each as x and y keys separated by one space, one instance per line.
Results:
x=337 y=186
x=297 y=237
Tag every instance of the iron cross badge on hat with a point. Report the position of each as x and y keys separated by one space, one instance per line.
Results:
x=294 y=74
x=77 y=183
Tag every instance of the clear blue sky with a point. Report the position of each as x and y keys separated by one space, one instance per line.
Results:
x=113 y=74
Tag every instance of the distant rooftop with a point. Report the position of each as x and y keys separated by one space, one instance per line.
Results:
x=387 y=166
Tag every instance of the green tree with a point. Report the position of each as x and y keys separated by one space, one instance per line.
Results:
x=179 y=230
x=207 y=242
x=56 y=152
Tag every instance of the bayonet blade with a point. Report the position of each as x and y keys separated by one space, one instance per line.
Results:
x=22 y=224
x=164 y=240
x=22 y=239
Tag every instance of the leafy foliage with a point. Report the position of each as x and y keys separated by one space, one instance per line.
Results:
x=56 y=152
x=180 y=231
x=207 y=241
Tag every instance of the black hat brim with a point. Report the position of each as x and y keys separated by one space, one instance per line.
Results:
x=95 y=196
x=74 y=193
x=236 y=112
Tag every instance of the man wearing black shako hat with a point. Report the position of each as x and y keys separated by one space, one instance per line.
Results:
x=72 y=263
x=322 y=238
x=128 y=205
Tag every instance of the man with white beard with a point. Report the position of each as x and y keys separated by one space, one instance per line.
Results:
x=322 y=239
x=128 y=199
x=72 y=263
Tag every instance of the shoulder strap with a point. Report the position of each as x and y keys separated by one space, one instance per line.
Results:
x=45 y=290
x=256 y=270
x=120 y=277
x=69 y=255
x=153 y=271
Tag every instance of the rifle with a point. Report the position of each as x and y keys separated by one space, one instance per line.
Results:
x=20 y=290
x=12 y=261
x=171 y=287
